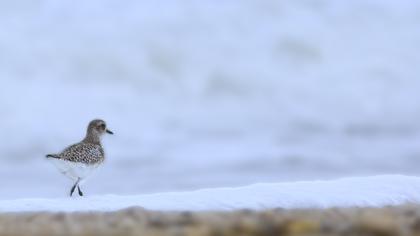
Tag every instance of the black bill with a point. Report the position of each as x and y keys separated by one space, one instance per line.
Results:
x=109 y=131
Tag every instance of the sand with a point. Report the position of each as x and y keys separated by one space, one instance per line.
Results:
x=401 y=220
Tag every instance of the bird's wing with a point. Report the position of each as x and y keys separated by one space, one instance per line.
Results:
x=83 y=152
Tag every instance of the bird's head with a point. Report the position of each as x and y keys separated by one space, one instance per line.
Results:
x=98 y=128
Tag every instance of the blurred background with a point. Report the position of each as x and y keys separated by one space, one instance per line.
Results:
x=208 y=93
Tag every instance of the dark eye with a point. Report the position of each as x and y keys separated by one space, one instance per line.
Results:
x=102 y=126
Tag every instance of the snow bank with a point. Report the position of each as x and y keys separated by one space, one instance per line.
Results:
x=209 y=93
x=361 y=191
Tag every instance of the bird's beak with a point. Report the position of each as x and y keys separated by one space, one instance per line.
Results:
x=109 y=131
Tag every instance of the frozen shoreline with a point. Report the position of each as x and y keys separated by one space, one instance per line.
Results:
x=375 y=191
x=206 y=95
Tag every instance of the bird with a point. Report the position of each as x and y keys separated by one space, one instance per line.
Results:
x=79 y=160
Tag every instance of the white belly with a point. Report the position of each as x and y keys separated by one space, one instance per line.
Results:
x=74 y=170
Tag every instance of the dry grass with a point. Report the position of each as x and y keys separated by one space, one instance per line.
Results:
x=403 y=220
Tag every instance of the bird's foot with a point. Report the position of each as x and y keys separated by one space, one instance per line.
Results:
x=80 y=191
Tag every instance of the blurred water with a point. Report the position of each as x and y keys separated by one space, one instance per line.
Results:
x=209 y=93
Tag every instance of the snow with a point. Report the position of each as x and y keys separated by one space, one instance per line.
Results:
x=207 y=94
x=375 y=191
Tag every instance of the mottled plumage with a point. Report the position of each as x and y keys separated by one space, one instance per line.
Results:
x=79 y=160
x=87 y=153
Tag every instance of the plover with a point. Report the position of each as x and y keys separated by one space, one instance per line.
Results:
x=79 y=160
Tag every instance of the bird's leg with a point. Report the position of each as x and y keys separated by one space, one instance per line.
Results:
x=72 y=188
x=80 y=191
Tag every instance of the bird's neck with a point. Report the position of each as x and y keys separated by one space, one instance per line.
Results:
x=92 y=138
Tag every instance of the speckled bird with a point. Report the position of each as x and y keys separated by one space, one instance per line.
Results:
x=79 y=160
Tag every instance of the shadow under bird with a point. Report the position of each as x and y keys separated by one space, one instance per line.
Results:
x=79 y=160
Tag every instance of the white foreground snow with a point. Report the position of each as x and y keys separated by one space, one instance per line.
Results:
x=361 y=191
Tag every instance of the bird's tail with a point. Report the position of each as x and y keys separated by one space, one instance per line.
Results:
x=52 y=156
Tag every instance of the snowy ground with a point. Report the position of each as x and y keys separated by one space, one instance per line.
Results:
x=350 y=192
x=208 y=94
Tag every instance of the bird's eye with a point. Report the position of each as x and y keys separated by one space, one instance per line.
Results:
x=102 y=126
